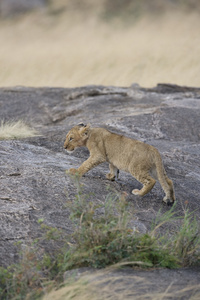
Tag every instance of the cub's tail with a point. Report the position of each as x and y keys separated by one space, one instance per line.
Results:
x=165 y=182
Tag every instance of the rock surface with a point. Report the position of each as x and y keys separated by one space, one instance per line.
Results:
x=128 y=284
x=32 y=171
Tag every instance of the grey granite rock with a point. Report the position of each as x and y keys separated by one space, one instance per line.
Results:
x=33 y=182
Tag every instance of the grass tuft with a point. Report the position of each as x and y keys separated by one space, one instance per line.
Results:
x=16 y=130
x=106 y=239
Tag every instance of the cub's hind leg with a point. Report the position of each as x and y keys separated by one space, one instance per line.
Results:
x=147 y=181
x=113 y=172
x=170 y=195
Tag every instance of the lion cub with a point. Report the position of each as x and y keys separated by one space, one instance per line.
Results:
x=141 y=160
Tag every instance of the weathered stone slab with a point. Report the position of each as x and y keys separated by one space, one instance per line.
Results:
x=33 y=182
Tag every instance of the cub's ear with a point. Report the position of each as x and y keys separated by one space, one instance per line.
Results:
x=84 y=129
x=81 y=125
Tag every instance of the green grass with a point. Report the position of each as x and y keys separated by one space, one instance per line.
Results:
x=106 y=239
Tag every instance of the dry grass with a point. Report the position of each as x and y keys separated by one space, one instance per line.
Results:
x=104 y=285
x=73 y=50
x=16 y=130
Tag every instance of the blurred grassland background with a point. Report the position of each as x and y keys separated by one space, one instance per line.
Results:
x=72 y=43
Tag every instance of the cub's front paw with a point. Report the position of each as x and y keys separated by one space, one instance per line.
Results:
x=110 y=176
x=168 y=201
x=136 y=192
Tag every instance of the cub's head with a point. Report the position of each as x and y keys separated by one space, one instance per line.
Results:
x=76 y=137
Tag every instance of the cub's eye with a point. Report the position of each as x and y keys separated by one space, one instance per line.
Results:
x=70 y=139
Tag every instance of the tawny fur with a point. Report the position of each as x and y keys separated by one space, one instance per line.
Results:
x=141 y=160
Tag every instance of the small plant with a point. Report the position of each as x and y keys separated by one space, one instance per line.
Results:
x=107 y=238
x=38 y=269
x=186 y=242
x=163 y=218
x=22 y=279
x=99 y=238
